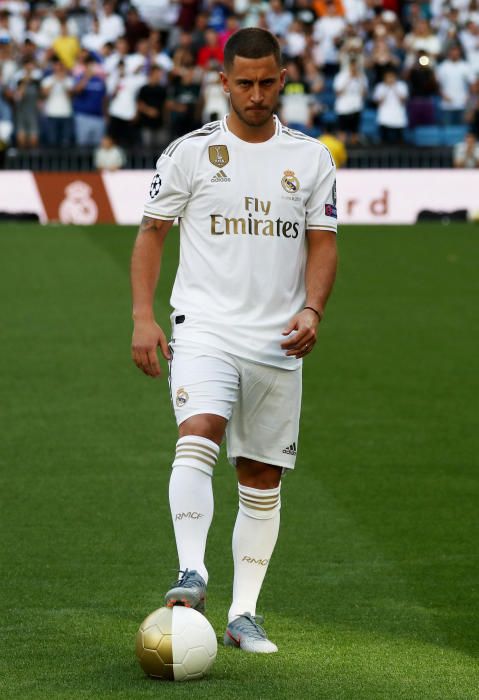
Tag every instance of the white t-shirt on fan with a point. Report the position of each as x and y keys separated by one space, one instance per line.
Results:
x=350 y=91
x=392 y=108
x=244 y=209
x=58 y=102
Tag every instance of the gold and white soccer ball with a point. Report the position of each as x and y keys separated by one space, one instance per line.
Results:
x=176 y=644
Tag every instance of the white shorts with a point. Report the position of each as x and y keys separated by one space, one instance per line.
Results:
x=261 y=403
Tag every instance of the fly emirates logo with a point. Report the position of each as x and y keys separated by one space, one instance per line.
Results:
x=251 y=223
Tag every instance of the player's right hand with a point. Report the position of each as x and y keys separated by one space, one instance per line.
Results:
x=147 y=337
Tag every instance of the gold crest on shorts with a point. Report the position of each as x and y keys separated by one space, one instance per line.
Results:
x=290 y=182
x=181 y=397
x=219 y=156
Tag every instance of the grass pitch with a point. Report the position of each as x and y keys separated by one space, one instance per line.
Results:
x=373 y=589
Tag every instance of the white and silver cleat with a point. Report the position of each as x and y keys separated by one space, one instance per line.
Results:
x=245 y=632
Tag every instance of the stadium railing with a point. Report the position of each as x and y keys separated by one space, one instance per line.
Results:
x=81 y=159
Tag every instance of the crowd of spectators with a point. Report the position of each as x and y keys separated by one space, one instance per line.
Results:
x=146 y=71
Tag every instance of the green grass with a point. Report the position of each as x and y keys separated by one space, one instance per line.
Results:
x=373 y=588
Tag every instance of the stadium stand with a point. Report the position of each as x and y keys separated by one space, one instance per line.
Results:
x=144 y=72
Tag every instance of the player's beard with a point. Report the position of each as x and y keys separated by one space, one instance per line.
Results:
x=252 y=118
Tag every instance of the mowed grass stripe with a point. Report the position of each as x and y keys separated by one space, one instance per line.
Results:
x=372 y=591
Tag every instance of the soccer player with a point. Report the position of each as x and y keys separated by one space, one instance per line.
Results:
x=257 y=208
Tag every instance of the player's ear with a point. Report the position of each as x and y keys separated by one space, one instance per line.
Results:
x=224 y=82
x=282 y=78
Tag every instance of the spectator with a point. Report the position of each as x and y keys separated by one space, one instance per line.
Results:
x=5 y=31
x=472 y=108
x=123 y=89
x=470 y=43
x=66 y=46
x=6 y=127
x=336 y=147
x=381 y=60
x=198 y=35
x=118 y=55
x=298 y=107
x=183 y=93
x=472 y=13
x=57 y=90
x=111 y=25
x=328 y=31
x=215 y=102
x=108 y=156
x=278 y=19
x=212 y=50
x=188 y=13
x=466 y=154
x=151 y=109
x=350 y=86
x=455 y=76
x=232 y=26
x=34 y=33
x=391 y=96
x=89 y=104
x=135 y=28
x=423 y=88
x=8 y=64
x=320 y=7
x=355 y=11
x=141 y=60
x=422 y=38
x=295 y=40
x=92 y=40
x=49 y=27
x=219 y=11
x=25 y=96
x=79 y=17
x=160 y=57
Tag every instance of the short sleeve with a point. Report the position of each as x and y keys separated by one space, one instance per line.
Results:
x=321 y=206
x=169 y=190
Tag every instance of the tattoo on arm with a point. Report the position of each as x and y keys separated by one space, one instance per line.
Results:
x=148 y=224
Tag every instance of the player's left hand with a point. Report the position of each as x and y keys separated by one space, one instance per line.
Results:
x=302 y=342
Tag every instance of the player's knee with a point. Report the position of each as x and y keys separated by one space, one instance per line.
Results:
x=196 y=452
x=204 y=425
x=257 y=475
x=260 y=504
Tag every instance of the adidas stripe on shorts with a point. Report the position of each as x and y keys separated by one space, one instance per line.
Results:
x=261 y=403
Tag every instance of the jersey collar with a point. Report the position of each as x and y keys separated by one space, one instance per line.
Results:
x=277 y=132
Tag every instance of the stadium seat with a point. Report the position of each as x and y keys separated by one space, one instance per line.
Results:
x=328 y=98
x=451 y=135
x=368 y=125
x=427 y=136
x=329 y=117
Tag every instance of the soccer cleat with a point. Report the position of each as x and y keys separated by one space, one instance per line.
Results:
x=244 y=632
x=189 y=590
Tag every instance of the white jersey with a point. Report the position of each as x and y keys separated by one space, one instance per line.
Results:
x=244 y=209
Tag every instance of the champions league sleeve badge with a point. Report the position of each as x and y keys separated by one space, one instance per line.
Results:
x=155 y=186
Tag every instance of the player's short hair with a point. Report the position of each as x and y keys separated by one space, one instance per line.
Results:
x=251 y=42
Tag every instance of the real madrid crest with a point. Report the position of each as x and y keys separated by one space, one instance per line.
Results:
x=290 y=182
x=219 y=156
x=181 y=397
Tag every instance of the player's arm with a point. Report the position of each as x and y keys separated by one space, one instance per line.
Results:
x=145 y=271
x=321 y=264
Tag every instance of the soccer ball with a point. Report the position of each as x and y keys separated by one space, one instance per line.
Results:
x=176 y=644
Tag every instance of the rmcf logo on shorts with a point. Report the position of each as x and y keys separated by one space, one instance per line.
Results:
x=181 y=397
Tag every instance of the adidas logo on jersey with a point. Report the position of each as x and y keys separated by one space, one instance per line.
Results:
x=291 y=450
x=221 y=177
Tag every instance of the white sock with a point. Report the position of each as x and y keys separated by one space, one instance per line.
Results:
x=254 y=537
x=191 y=499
